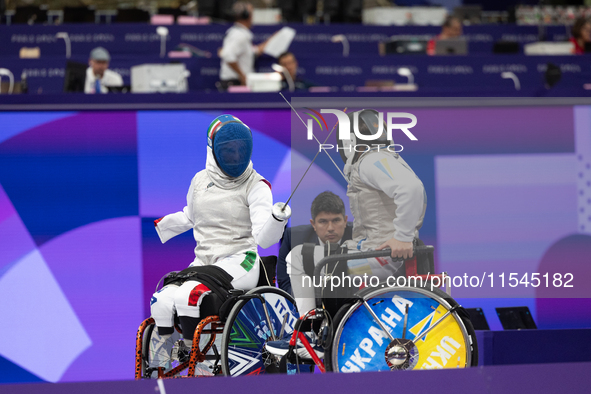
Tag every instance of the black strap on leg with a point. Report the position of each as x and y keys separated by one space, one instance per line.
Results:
x=308 y=258
x=165 y=330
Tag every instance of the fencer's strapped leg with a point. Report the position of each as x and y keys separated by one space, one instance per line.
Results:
x=165 y=330
x=160 y=348
x=209 y=306
x=189 y=324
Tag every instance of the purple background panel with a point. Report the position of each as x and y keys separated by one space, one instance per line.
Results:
x=562 y=313
x=491 y=130
x=273 y=123
x=571 y=254
x=72 y=171
x=99 y=268
x=17 y=122
x=498 y=214
x=57 y=333
x=171 y=150
x=16 y=240
x=90 y=133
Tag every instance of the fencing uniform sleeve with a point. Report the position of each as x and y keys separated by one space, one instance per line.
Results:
x=176 y=223
x=301 y=284
x=384 y=172
x=266 y=230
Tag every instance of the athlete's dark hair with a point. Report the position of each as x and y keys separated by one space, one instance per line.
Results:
x=578 y=26
x=327 y=202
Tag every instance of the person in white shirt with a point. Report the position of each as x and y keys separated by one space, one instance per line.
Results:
x=238 y=52
x=98 y=76
x=230 y=210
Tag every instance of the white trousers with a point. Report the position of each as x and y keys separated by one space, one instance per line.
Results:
x=185 y=300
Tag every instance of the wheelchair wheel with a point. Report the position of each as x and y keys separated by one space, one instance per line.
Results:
x=248 y=328
x=361 y=344
x=150 y=358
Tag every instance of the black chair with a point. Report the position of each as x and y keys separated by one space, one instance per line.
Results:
x=78 y=15
x=208 y=8
x=132 y=15
x=511 y=47
x=2 y=11
x=75 y=77
x=29 y=15
x=295 y=11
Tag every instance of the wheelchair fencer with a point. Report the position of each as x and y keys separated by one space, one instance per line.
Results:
x=245 y=321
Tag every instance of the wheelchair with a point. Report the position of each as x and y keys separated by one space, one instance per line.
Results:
x=381 y=328
x=253 y=318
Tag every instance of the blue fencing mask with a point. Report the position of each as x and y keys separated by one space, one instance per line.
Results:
x=231 y=143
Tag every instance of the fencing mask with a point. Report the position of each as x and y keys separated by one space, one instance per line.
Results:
x=231 y=143
x=367 y=129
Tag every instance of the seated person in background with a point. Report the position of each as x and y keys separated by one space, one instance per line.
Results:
x=451 y=28
x=98 y=76
x=328 y=223
x=288 y=61
x=581 y=32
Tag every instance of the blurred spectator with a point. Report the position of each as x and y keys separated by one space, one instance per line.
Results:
x=451 y=28
x=581 y=34
x=237 y=52
x=288 y=61
x=98 y=76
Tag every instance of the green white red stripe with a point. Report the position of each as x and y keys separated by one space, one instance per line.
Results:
x=213 y=128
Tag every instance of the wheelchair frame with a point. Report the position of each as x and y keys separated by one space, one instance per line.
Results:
x=197 y=355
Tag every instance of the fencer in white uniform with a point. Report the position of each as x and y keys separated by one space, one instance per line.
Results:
x=230 y=210
x=388 y=203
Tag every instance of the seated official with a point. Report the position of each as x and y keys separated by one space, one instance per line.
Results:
x=288 y=61
x=328 y=224
x=451 y=28
x=98 y=76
